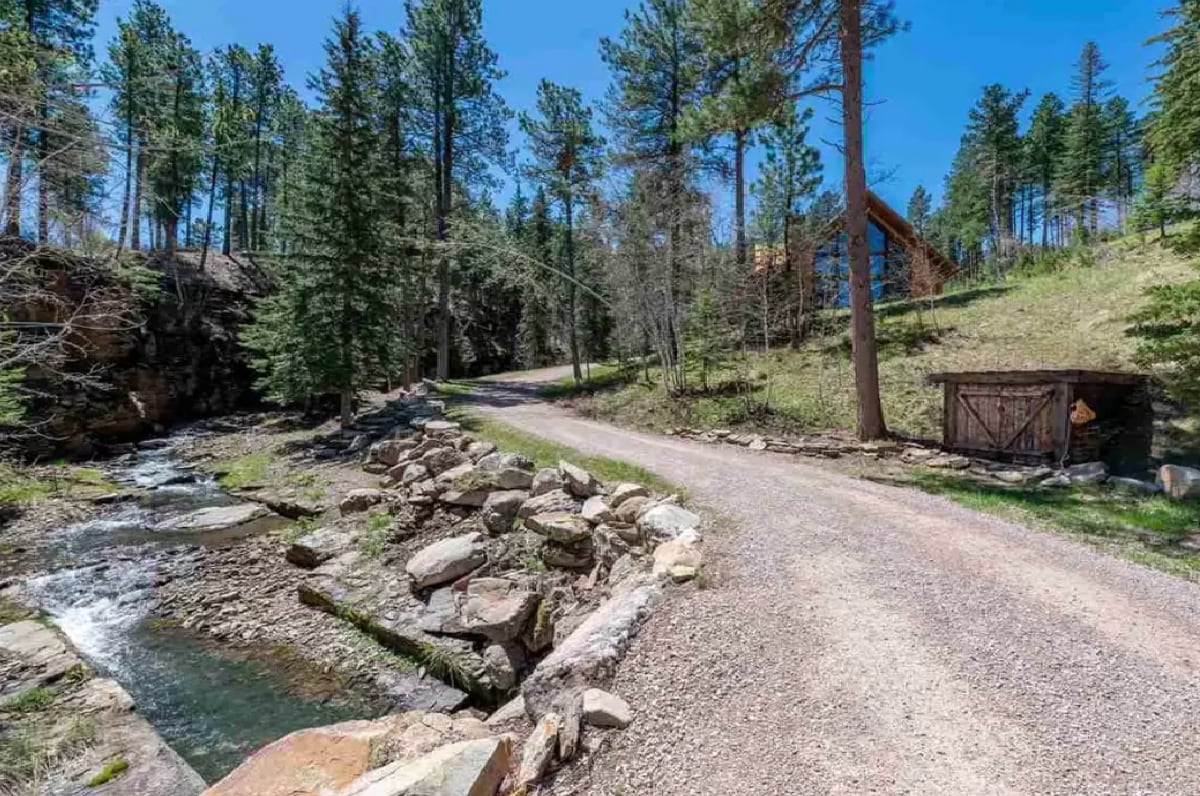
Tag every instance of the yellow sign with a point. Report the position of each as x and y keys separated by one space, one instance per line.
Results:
x=1081 y=413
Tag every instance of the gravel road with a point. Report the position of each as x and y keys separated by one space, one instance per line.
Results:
x=861 y=638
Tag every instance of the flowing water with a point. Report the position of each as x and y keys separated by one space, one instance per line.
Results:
x=213 y=709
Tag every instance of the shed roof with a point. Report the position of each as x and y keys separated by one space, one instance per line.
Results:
x=1037 y=377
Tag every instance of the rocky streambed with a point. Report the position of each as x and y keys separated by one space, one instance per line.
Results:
x=467 y=583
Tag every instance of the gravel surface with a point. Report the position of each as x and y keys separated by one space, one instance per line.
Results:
x=861 y=638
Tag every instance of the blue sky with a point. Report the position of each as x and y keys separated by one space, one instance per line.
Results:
x=922 y=82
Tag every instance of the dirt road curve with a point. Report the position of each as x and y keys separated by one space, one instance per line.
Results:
x=867 y=639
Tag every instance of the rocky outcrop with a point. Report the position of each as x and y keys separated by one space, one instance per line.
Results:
x=33 y=656
x=215 y=518
x=152 y=358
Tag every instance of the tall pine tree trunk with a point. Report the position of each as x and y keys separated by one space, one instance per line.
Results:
x=212 y=200
x=12 y=183
x=739 y=188
x=862 y=320
x=43 y=166
x=135 y=212
x=447 y=196
x=569 y=245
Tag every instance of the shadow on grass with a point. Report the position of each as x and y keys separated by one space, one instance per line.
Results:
x=960 y=298
x=1153 y=523
x=603 y=378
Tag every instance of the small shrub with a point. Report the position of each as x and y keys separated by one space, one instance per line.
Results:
x=244 y=471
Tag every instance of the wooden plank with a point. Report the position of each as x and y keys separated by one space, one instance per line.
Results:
x=962 y=399
x=1037 y=377
x=1061 y=421
x=1030 y=417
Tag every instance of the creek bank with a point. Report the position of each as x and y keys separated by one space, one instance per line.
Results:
x=147 y=357
x=523 y=601
x=66 y=728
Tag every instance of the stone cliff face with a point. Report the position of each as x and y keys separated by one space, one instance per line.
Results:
x=157 y=344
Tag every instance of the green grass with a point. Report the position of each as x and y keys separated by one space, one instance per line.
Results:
x=454 y=388
x=544 y=453
x=18 y=486
x=1146 y=529
x=252 y=469
x=111 y=771
x=375 y=535
x=1075 y=316
x=600 y=377
x=31 y=700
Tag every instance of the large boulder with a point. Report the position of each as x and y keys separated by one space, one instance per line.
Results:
x=679 y=559
x=214 y=518
x=439 y=460
x=357 y=500
x=309 y=762
x=392 y=451
x=547 y=502
x=578 y=481
x=623 y=492
x=546 y=480
x=667 y=521
x=497 y=608
x=447 y=560
x=500 y=509
x=596 y=511
x=1087 y=473
x=502 y=662
x=560 y=526
x=467 y=768
x=590 y=654
x=477 y=450
x=580 y=555
x=314 y=549
x=630 y=509
x=506 y=471
x=1179 y=482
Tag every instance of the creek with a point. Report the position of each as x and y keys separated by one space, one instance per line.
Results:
x=213 y=707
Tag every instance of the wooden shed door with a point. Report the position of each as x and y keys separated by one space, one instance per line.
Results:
x=1011 y=419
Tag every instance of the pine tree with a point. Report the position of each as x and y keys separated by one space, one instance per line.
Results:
x=1174 y=135
x=232 y=133
x=178 y=139
x=459 y=115
x=1044 y=145
x=537 y=234
x=994 y=131
x=328 y=327
x=920 y=210
x=1081 y=175
x=1121 y=155
x=739 y=89
x=566 y=154
x=657 y=64
x=60 y=42
x=1157 y=206
x=265 y=87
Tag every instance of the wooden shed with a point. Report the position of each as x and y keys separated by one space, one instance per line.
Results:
x=1051 y=416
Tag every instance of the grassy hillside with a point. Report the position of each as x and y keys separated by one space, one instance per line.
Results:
x=1076 y=316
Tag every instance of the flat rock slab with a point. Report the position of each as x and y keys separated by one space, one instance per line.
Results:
x=378 y=601
x=467 y=768
x=314 y=549
x=447 y=560
x=31 y=655
x=591 y=653
x=214 y=518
